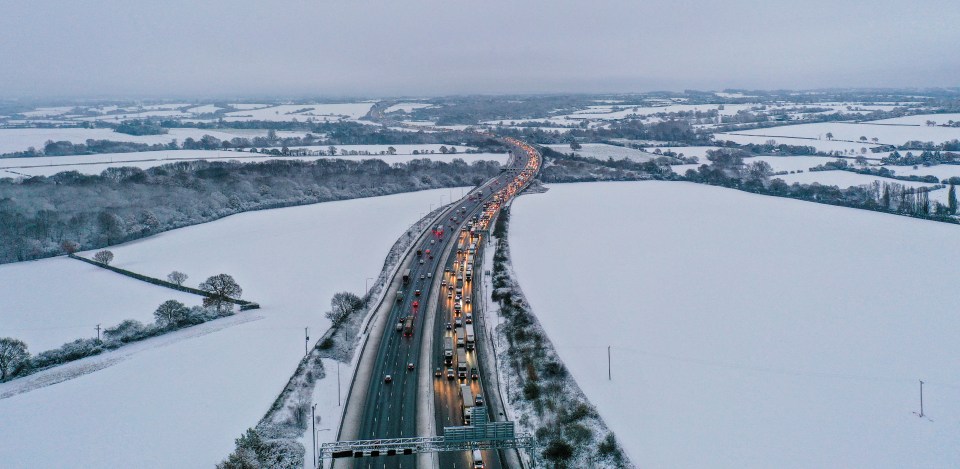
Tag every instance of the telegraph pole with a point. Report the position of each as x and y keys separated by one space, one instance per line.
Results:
x=98 y=333
x=921 y=398
x=609 y=369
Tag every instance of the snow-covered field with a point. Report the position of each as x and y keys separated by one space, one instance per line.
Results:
x=78 y=296
x=920 y=119
x=843 y=179
x=603 y=151
x=183 y=404
x=748 y=331
x=822 y=145
x=12 y=140
x=941 y=171
x=407 y=107
x=302 y=112
x=887 y=134
x=789 y=163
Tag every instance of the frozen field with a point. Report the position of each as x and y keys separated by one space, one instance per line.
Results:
x=84 y=296
x=887 y=134
x=748 y=331
x=604 y=151
x=183 y=404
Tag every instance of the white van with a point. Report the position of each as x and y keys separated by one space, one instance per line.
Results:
x=477 y=459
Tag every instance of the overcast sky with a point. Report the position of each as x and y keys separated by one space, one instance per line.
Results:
x=208 y=48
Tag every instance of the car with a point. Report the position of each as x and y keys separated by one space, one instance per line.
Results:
x=469 y=319
x=449 y=296
x=429 y=274
x=449 y=327
x=458 y=297
x=447 y=270
x=478 y=400
x=410 y=366
x=467 y=300
x=423 y=277
x=474 y=373
x=438 y=373
x=457 y=322
x=416 y=293
x=421 y=261
x=433 y=241
x=388 y=379
x=415 y=304
x=450 y=374
x=443 y=283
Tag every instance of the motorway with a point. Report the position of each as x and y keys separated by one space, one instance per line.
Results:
x=390 y=407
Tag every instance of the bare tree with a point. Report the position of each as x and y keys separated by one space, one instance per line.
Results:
x=342 y=304
x=221 y=288
x=104 y=257
x=177 y=277
x=13 y=356
x=70 y=247
x=171 y=313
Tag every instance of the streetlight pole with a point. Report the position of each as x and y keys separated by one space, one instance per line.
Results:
x=338 y=383
x=609 y=370
x=313 y=429
x=306 y=340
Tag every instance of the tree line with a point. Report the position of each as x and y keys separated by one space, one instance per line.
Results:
x=47 y=216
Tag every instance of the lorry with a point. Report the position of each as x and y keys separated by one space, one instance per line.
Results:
x=471 y=340
x=406 y=276
x=461 y=364
x=408 y=326
x=467 y=402
x=448 y=350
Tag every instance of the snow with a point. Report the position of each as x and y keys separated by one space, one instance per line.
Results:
x=604 y=151
x=843 y=179
x=207 y=108
x=183 y=404
x=824 y=145
x=12 y=140
x=920 y=120
x=887 y=134
x=95 y=164
x=941 y=171
x=407 y=107
x=48 y=111
x=288 y=112
x=790 y=163
x=748 y=331
x=85 y=295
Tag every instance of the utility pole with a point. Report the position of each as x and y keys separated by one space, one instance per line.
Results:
x=98 y=333
x=306 y=340
x=313 y=429
x=609 y=369
x=338 y=383
x=921 y=398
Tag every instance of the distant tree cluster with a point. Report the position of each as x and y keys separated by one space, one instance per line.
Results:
x=140 y=127
x=46 y=216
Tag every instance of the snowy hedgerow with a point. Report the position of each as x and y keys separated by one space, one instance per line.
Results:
x=127 y=331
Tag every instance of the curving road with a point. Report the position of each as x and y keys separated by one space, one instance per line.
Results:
x=389 y=408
